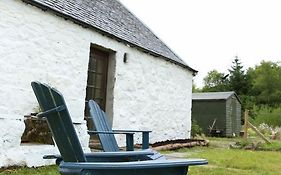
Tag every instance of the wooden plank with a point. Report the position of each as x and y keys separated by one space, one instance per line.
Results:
x=259 y=133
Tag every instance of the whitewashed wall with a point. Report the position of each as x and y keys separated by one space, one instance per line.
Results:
x=153 y=94
x=149 y=93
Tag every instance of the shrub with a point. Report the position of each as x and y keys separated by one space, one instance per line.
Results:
x=269 y=116
x=195 y=128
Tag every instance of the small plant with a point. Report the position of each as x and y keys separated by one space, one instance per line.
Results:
x=269 y=131
x=242 y=144
x=195 y=128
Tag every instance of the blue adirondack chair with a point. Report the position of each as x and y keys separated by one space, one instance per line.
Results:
x=106 y=134
x=75 y=162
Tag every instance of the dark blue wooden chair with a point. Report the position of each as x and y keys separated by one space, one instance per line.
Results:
x=75 y=162
x=106 y=134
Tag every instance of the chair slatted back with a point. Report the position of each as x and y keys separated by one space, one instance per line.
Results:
x=58 y=118
x=99 y=118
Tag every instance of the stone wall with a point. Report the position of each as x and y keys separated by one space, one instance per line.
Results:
x=148 y=92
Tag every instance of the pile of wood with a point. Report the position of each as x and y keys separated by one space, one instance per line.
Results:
x=177 y=144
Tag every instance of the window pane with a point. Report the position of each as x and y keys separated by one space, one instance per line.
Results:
x=100 y=67
x=98 y=93
x=93 y=64
x=91 y=78
x=98 y=83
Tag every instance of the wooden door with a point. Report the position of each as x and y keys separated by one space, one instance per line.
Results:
x=97 y=80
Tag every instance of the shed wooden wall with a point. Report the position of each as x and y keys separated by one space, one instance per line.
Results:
x=233 y=116
x=206 y=111
x=226 y=112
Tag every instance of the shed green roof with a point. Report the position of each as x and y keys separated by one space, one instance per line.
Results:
x=214 y=96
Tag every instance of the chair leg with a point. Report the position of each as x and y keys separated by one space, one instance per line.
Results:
x=130 y=142
x=145 y=140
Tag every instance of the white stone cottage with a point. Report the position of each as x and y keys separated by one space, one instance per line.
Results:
x=87 y=49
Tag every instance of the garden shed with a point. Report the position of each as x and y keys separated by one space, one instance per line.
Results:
x=217 y=113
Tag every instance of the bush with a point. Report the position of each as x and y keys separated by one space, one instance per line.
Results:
x=195 y=128
x=269 y=116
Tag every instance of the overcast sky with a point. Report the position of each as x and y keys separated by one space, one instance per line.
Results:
x=208 y=34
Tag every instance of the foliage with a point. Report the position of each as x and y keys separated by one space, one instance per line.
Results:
x=259 y=87
x=238 y=79
x=248 y=102
x=266 y=130
x=195 y=89
x=268 y=115
x=266 y=83
x=195 y=129
x=215 y=81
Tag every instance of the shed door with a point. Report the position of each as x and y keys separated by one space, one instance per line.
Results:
x=97 y=80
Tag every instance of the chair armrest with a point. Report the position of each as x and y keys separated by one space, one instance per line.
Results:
x=109 y=132
x=129 y=137
x=145 y=136
x=126 y=130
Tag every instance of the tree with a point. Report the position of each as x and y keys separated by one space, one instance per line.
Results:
x=238 y=80
x=260 y=85
x=266 y=83
x=215 y=82
x=195 y=89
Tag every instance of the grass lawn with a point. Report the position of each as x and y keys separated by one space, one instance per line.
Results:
x=225 y=161
x=222 y=161
x=235 y=162
x=49 y=170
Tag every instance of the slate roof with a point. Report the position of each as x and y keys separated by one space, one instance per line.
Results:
x=112 y=18
x=214 y=96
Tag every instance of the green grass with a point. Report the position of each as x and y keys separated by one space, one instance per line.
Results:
x=274 y=146
x=48 y=170
x=238 y=162
x=225 y=161
x=222 y=160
